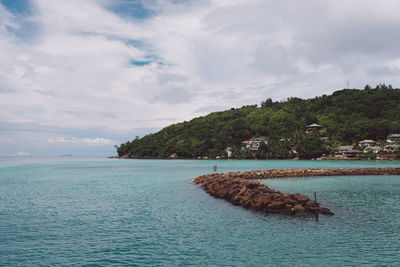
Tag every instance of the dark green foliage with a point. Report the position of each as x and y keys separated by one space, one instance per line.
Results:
x=367 y=156
x=311 y=146
x=267 y=103
x=346 y=116
x=275 y=149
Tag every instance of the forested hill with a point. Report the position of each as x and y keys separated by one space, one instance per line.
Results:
x=346 y=116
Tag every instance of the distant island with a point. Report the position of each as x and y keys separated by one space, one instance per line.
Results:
x=348 y=124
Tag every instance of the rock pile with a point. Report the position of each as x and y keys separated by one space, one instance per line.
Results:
x=238 y=188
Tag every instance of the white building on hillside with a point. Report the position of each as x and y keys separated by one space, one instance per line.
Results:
x=367 y=143
x=373 y=149
x=256 y=142
x=392 y=148
x=394 y=138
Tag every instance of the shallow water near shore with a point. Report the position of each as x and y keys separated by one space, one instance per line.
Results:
x=88 y=211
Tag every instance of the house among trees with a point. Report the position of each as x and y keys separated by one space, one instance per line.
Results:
x=367 y=143
x=228 y=152
x=392 y=148
x=310 y=128
x=342 y=149
x=393 y=138
x=347 y=152
x=256 y=142
x=373 y=149
x=351 y=153
x=247 y=143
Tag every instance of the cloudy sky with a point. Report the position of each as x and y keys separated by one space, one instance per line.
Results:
x=79 y=76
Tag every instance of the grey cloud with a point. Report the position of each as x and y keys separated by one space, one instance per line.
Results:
x=382 y=71
x=4 y=90
x=30 y=136
x=286 y=34
x=274 y=60
x=167 y=78
x=166 y=119
x=217 y=54
x=207 y=109
x=7 y=126
x=364 y=38
x=47 y=93
x=84 y=114
x=174 y=95
x=345 y=43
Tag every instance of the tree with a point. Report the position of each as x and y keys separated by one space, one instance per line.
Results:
x=262 y=151
x=310 y=118
x=267 y=103
x=381 y=86
x=311 y=146
x=347 y=116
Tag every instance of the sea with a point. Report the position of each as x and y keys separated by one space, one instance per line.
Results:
x=94 y=211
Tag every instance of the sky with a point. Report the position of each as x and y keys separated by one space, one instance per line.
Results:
x=80 y=76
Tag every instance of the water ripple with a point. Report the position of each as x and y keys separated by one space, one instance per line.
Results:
x=148 y=213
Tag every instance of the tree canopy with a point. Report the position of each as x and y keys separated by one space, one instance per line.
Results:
x=346 y=116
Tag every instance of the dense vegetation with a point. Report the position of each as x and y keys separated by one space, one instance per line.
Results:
x=346 y=116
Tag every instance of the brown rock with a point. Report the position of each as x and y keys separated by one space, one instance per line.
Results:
x=276 y=205
x=289 y=206
x=238 y=188
x=299 y=197
x=311 y=203
x=298 y=208
x=325 y=211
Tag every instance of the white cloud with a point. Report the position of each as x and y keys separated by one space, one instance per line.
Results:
x=75 y=72
x=6 y=20
x=80 y=141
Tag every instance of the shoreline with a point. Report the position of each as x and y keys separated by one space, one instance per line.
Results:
x=239 y=188
x=295 y=159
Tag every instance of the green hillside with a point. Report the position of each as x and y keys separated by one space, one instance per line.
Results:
x=346 y=116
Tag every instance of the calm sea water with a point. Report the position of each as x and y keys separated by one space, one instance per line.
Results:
x=95 y=211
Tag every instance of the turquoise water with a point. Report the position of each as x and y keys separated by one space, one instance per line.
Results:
x=95 y=211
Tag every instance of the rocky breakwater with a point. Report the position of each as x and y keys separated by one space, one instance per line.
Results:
x=239 y=189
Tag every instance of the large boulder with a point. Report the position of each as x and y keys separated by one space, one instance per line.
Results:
x=311 y=203
x=276 y=205
x=298 y=208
